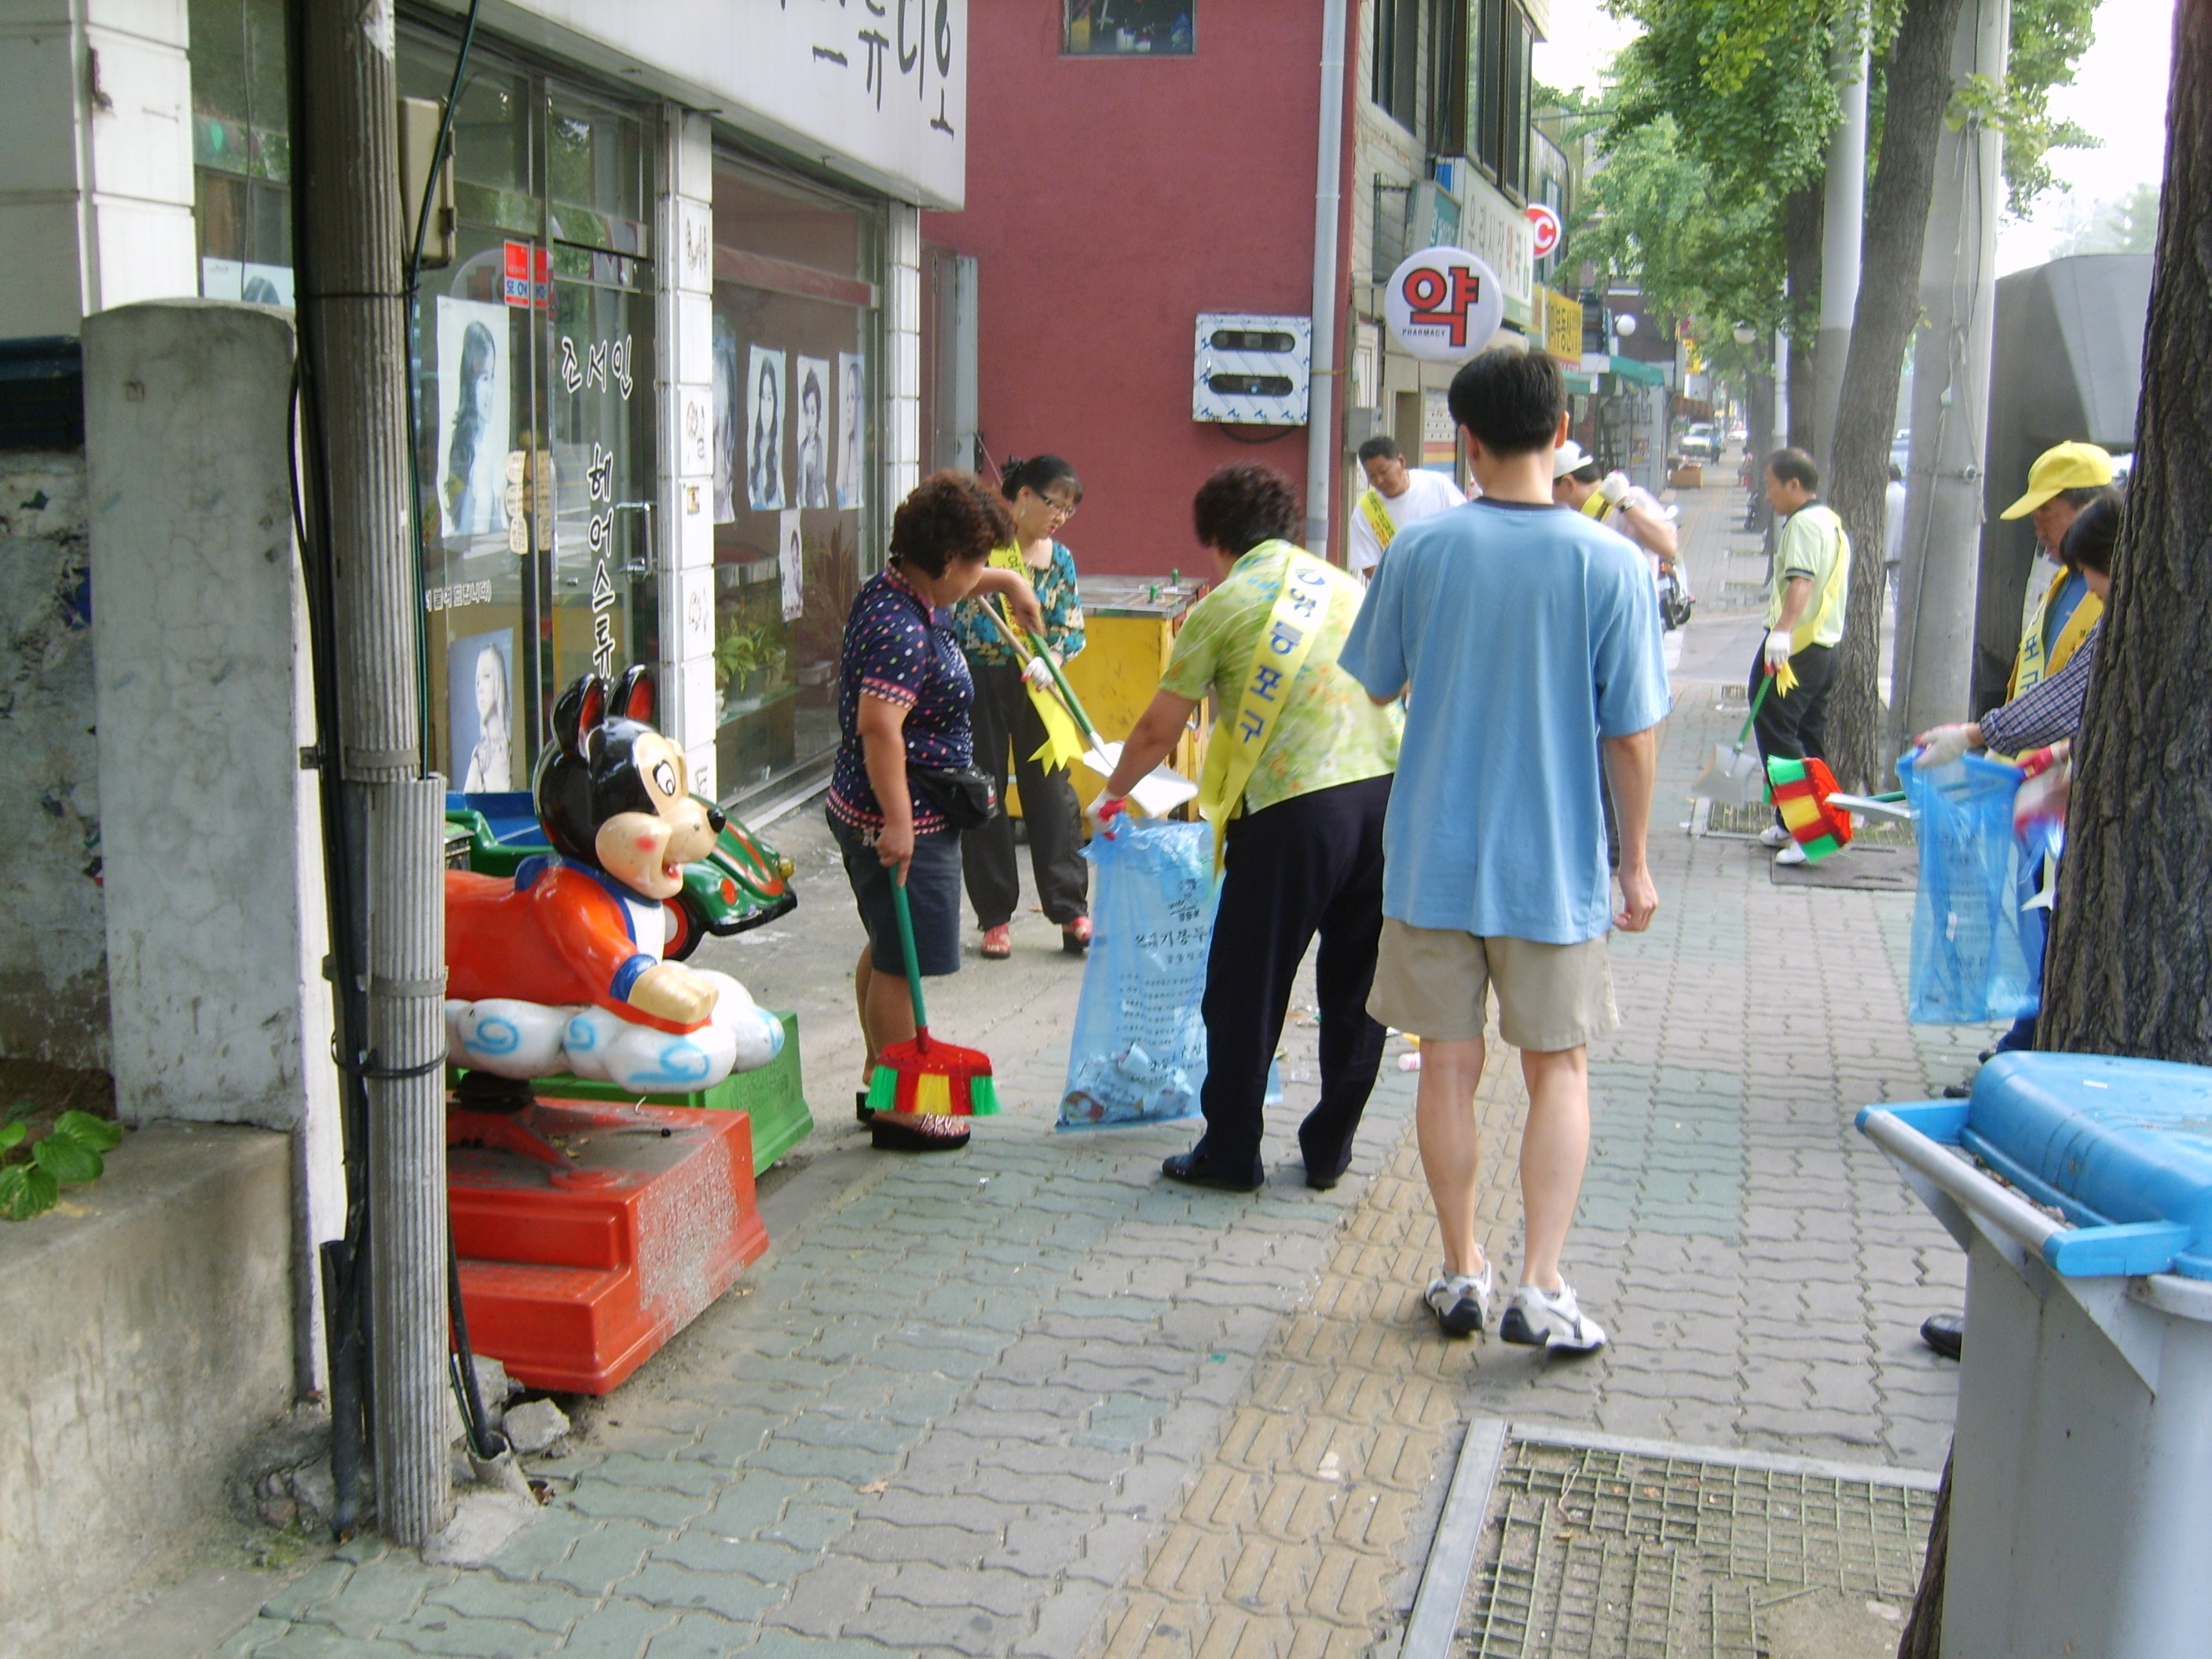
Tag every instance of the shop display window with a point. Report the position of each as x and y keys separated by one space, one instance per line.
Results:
x=535 y=459
x=241 y=150
x=798 y=514
x=1113 y=28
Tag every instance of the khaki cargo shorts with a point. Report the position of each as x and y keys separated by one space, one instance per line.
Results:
x=1432 y=981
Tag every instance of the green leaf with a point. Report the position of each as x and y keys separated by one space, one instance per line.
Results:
x=11 y=1134
x=95 y=1134
x=25 y=1190
x=65 y=1161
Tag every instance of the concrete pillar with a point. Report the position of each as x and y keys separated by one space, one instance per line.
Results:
x=1932 y=670
x=902 y=359
x=217 y=925
x=97 y=208
x=687 y=491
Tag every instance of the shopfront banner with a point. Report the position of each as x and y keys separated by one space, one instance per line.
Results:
x=878 y=89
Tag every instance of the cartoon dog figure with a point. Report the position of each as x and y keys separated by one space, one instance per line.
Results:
x=560 y=969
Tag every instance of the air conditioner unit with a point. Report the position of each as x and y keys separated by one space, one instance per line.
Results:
x=1251 y=370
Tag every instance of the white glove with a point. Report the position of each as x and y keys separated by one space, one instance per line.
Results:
x=1944 y=745
x=1038 y=674
x=1615 y=487
x=1777 y=648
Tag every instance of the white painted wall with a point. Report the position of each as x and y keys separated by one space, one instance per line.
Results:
x=902 y=357
x=96 y=185
x=217 y=925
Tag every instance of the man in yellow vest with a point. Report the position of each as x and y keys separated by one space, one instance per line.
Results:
x=1396 y=495
x=1804 y=624
x=2064 y=479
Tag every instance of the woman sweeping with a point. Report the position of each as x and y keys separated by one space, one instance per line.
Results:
x=905 y=771
x=1042 y=494
x=1298 y=778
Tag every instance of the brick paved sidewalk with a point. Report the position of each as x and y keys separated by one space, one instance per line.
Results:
x=1027 y=1399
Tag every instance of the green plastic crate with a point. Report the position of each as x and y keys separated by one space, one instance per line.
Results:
x=774 y=1095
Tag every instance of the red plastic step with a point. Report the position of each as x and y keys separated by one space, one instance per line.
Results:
x=574 y=1276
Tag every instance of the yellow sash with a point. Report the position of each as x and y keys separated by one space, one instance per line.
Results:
x=2034 y=665
x=1379 y=518
x=1300 y=609
x=1061 y=744
x=1597 y=506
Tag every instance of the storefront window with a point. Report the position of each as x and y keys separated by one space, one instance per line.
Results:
x=241 y=150
x=1122 y=27
x=797 y=515
x=533 y=374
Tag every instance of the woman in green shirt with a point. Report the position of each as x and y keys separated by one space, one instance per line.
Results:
x=1298 y=774
x=1042 y=494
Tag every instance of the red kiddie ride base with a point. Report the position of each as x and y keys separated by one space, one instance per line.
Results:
x=590 y=1233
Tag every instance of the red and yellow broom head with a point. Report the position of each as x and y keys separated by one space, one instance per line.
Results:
x=928 y=1077
x=1801 y=790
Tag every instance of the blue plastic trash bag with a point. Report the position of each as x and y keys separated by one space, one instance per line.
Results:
x=1138 y=1053
x=1971 y=955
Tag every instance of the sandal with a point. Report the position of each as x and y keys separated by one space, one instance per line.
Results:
x=998 y=942
x=1075 y=936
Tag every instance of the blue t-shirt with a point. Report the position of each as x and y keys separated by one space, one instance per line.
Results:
x=1525 y=633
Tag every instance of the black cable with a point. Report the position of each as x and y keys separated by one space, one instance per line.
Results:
x=486 y=1441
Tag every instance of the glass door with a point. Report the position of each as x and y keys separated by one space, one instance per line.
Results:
x=533 y=356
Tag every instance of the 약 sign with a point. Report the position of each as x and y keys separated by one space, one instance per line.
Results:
x=1545 y=221
x=1443 y=304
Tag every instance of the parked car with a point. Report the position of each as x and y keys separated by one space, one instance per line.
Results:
x=743 y=883
x=1701 y=442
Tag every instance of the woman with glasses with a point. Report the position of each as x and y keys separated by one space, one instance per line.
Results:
x=1042 y=494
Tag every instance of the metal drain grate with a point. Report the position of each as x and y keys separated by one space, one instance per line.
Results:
x=1623 y=1555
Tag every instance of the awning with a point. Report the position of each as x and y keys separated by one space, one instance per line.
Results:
x=1585 y=384
x=1644 y=373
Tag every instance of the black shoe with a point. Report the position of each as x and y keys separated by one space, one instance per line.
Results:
x=1989 y=1055
x=1945 y=1333
x=1189 y=1168
x=1958 y=1091
x=1321 y=1178
x=861 y=1109
x=887 y=1134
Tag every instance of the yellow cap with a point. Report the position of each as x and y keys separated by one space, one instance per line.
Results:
x=2061 y=466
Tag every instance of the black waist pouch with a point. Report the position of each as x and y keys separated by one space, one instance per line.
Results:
x=964 y=794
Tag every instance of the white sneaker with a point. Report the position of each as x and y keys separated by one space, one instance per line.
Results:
x=1549 y=1319
x=1774 y=836
x=1461 y=1301
x=1792 y=854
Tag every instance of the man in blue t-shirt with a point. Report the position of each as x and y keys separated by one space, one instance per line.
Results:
x=1520 y=631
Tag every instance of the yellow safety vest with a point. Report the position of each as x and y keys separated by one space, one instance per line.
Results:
x=1301 y=609
x=2032 y=665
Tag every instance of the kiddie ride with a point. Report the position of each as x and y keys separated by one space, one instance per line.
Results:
x=592 y=1232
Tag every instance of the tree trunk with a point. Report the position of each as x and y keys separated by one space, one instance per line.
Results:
x=1924 y=1627
x=1802 y=220
x=2131 y=965
x=1919 y=88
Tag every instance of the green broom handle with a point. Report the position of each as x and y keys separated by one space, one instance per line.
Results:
x=1750 y=719
x=1066 y=691
x=913 y=957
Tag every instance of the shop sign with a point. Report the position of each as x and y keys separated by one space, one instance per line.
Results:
x=1498 y=230
x=1543 y=229
x=528 y=276
x=1443 y=304
x=877 y=88
x=1563 y=328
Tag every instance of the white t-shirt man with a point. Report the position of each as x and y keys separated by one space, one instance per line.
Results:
x=1422 y=494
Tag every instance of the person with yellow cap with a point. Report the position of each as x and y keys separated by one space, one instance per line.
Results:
x=2065 y=478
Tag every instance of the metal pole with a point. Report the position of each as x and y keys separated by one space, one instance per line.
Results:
x=352 y=314
x=1321 y=410
x=1932 y=669
x=1842 y=226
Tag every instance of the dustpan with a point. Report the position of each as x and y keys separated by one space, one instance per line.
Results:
x=1735 y=775
x=1159 y=792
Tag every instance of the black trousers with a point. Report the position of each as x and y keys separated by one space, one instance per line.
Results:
x=1796 y=727
x=1004 y=721
x=1312 y=864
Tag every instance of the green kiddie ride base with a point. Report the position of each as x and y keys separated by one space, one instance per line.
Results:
x=774 y=1095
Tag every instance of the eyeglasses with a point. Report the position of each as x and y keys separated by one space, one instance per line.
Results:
x=1059 y=506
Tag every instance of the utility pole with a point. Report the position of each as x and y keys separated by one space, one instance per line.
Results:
x=1843 y=222
x=1329 y=199
x=352 y=324
x=1931 y=671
